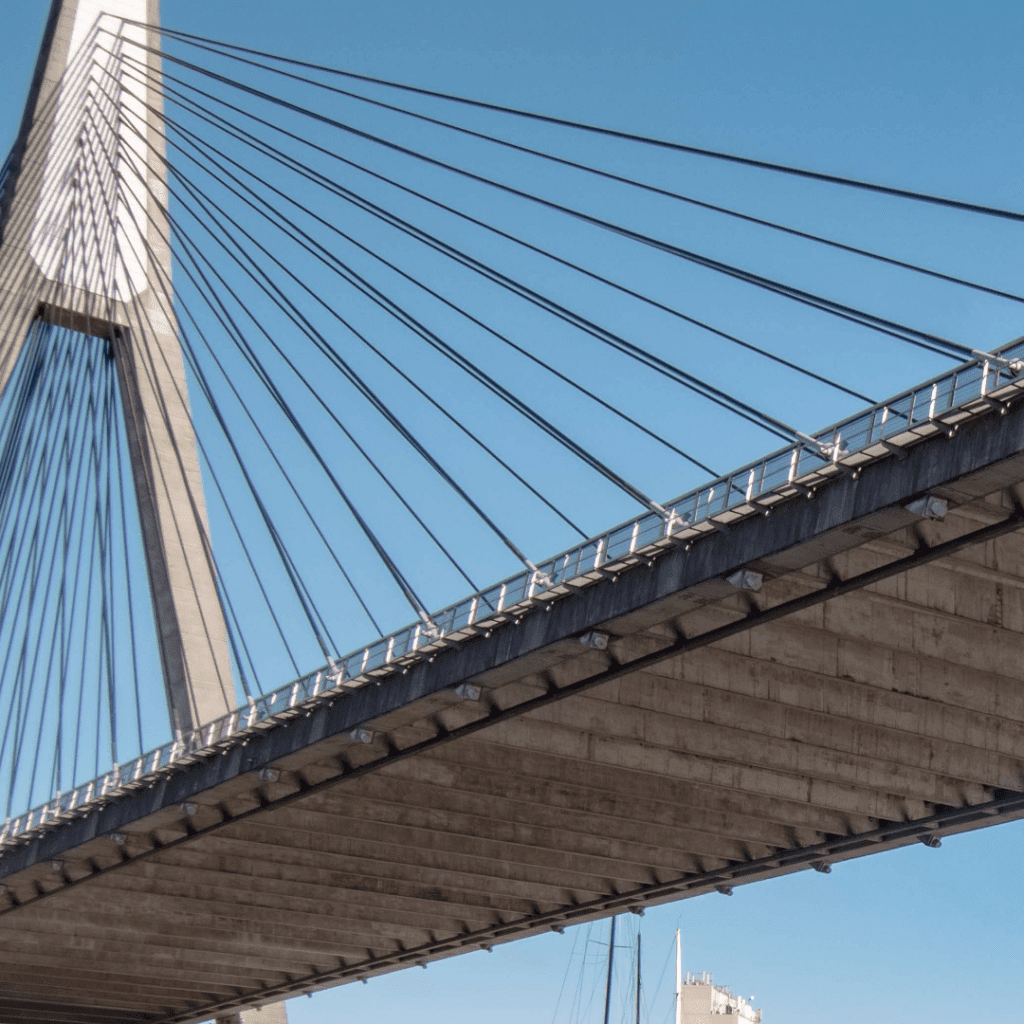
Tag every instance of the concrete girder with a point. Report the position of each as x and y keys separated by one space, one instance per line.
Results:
x=862 y=721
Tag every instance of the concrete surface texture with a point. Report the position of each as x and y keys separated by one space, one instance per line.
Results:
x=709 y=745
x=73 y=255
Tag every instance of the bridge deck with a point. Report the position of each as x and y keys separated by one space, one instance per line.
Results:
x=724 y=736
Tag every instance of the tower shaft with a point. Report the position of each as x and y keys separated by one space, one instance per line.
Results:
x=84 y=244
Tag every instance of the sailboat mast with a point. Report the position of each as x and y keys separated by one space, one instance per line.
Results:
x=679 y=978
x=638 y=976
x=608 y=983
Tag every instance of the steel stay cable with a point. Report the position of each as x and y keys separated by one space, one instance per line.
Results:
x=456 y=357
x=64 y=529
x=699 y=386
x=628 y=136
x=282 y=551
x=81 y=477
x=460 y=360
x=18 y=412
x=33 y=573
x=71 y=217
x=91 y=601
x=38 y=427
x=46 y=610
x=621 y=179
x=107 y=291
x=282 y=635
x=223 y=596
x=102 y=524
x=464 y=429
x=363 y=389
x=273 y=454
x=125 y=499
x=354 y=378
x=83 y=550
x=92 y=577
x=627 y=348
x=67 y=253
x=735 y=403
x=34 y=608
x=292 y=163
x=841 y=310
x=403 y=584
x=295 y=315
x=422 y=331
x=110 y=290
x=343 y=269
x=235 y=635
x=694 y=384
x=221 y=591
x=311 y=615
x=32 y=468
x=13 y=537
x=23 y=611
x=80 y=421
x=287 y=562
x=362 y=452
x=88 y=420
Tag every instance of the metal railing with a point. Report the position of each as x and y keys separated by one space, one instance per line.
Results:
x=935 y=405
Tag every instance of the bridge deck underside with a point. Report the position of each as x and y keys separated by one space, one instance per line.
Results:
x=823 y=735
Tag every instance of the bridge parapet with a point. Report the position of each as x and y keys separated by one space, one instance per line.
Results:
x=885 y=431
x=707 y=735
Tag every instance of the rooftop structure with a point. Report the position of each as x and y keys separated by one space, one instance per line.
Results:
x=702 y=1000
x=699 y=1000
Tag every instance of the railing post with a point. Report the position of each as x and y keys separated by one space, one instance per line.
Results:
x=793 y=463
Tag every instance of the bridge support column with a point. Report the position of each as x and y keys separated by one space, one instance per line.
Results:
x=83 y=230
x=83 y=246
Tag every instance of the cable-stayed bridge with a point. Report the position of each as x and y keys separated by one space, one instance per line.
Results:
x=809 y=658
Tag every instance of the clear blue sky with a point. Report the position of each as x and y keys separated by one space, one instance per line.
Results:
x=914 y=94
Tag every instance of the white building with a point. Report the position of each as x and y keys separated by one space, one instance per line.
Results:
x=701 y=1001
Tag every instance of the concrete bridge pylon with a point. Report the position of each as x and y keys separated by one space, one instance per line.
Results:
x=82 y=245
x=83 y=224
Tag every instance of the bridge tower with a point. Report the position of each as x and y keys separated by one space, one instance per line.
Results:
x=83 y=245
x=83 y=230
